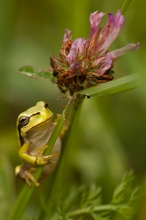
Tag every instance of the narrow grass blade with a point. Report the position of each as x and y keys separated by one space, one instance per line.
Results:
x=116 y=86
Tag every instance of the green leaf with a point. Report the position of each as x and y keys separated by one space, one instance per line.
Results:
x=113 y=87
x=126 y=211
x=122 y=203
x=123 y=191
x=28 y=70
x=91 y=196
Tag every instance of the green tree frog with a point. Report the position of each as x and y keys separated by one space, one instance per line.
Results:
x=35 y=127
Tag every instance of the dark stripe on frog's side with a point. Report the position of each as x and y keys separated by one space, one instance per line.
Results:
x=20 y=137
x=19 y=129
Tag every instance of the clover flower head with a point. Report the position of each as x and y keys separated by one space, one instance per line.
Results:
x=85 y=63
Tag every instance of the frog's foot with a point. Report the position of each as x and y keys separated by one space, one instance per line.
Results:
x=26 y=175
x=46 y=159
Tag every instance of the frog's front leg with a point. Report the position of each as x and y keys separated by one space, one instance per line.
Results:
x=39 y=158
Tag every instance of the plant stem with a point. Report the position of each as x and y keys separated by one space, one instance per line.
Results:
x=72 y=111
x=56 y=131
x=125 y=6
x=20 y=203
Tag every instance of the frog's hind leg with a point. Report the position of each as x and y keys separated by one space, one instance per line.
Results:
x=26 y=174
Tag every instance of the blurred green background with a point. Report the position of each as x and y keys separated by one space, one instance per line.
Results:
x=111 y=135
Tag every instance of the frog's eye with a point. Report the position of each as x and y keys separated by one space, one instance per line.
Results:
x=46 y=105
x=24 y=120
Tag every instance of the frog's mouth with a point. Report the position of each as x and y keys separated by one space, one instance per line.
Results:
x=41 y=127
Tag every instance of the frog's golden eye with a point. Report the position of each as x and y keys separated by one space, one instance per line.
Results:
x=23 y=120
